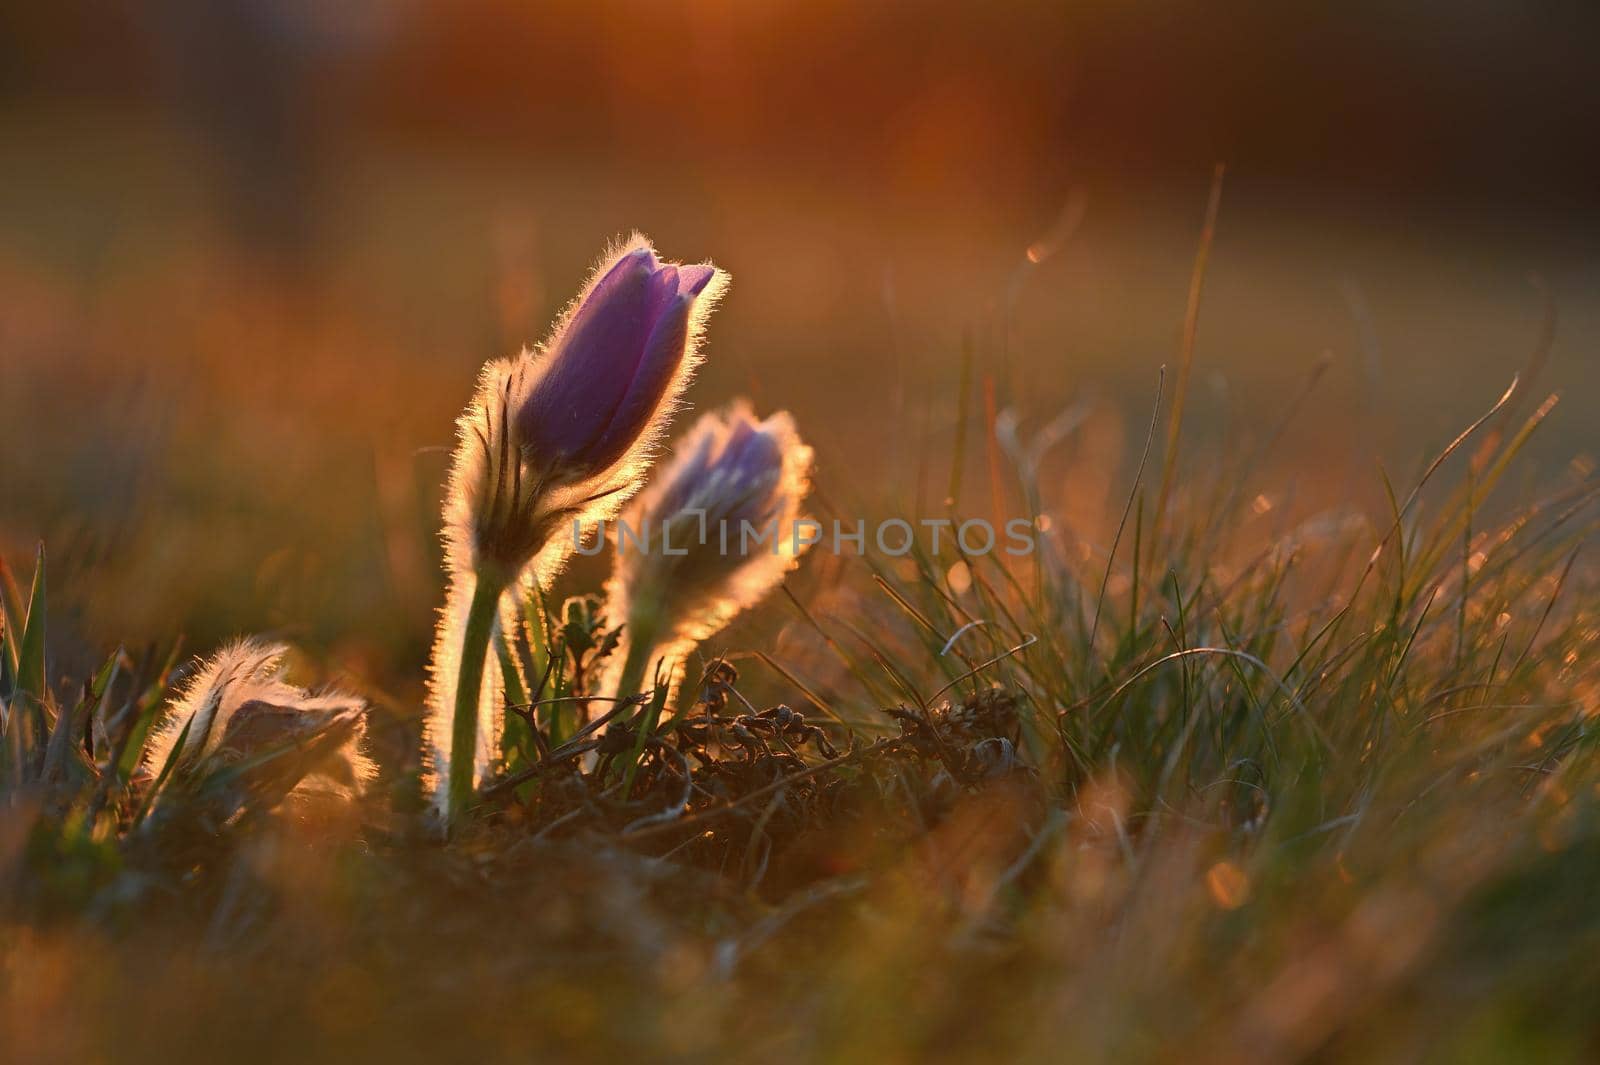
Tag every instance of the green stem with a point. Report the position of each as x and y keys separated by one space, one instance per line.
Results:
x=641 y=650
x=634 y=666
x=481 y=616
x=641 y=646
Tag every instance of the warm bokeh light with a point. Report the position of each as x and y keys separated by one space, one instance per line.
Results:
x=235 y=217
x=1277 y=744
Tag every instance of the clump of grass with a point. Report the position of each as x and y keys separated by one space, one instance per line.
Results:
x=133 y=768
x=1286 y=766
x=75 y=760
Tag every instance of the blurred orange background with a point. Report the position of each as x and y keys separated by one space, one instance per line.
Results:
x=251 y=254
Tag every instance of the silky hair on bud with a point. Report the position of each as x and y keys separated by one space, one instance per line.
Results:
x=239 y=699
x=730 y=469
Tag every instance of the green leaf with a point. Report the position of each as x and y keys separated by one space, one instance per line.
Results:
x=11 y=620
x=513 y=739
x=510 y=669
x=30 y=687
x=648 y=721
x=100 y=688
x=149 y=706
x=166 y=771
x=63 y=737
x=8 y=657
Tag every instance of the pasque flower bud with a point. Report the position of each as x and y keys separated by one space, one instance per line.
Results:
x=238 y=710
x=566 y=432
x=719 y=533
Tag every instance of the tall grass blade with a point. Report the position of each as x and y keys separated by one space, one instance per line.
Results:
x=1191 y=329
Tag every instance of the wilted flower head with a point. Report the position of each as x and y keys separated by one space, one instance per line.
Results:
x=719 y=524
x=238 y=711
x=565 y=432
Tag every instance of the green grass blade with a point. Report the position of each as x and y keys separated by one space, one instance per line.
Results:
x=148 y=708
x=29 y=695
x=13 y=618
x=161 y=778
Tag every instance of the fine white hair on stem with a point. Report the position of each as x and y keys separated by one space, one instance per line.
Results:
x=444 y=668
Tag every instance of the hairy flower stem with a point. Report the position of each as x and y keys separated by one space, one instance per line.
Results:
x=481 y=616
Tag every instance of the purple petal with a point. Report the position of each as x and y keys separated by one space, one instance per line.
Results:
x=752 y=461
x=688 y=478
x=663 y=355
x=739 y=433
x=597 y=356
x=694 y=279
x=745 y=433
x=760 y=453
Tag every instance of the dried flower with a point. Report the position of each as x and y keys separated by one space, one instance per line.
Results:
x=238 y=712
x=559 y=435
x=717 y=531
